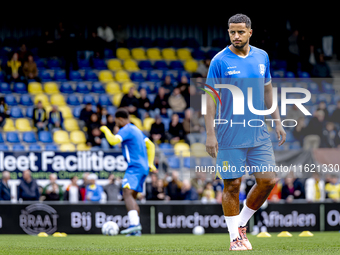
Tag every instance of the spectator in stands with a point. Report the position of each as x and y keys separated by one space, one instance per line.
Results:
x=28 y=189
x=321 y=68
x=204 y=67
x=292 y=189
x=149 y=186
x=22 y=52
x=72 y=192
x=323 y=107
x=314 y=131
x=188 y=192
x=183 y=86
x=208 y=193
x=39 y=117
x=176 y=131
x=14 y=68
x=112 y=189
x=3 y=111
x=130 y=102
x=328 y=136
x=93 y=191
x=5 y=191
x=333 y=188
x=47 y=46
x=52 y=191
x=84 y=185
x=195 y=98
x=161 y=104
x=96 y=140
x=106 y=34
x=177 y=102
x=315 y=188
x=167 y=85
x=198 y=182
x=30 y=69
x=103 y=116
x=93 y=123
x=94 y=46
x=121 y=36
x=158 y=192
x=294 y=114
x=157 y=131
x=173 y=188
x=192 y=128
x=55 y=120
x=111 y=124
x=300 y=131
x=336 y=114
x=143 y=104
x=85 y=114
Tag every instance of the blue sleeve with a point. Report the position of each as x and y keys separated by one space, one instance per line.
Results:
x=267 y=76
x=214 y=74
x=124 y=133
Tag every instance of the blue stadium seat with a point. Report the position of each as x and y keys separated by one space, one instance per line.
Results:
x=82 y=88
x=111 y=110
x=41 y=65
x=189 y=162
x=98 y=87
x=172 y=76
x=20 y=88
x=206 y=161
x=145 y=65
x=276 y=147
x=4 y=147
x=335 y=99
x=84 y=64
x=12 y=137
x=324 y=98
x=88 y=99
x=152 y=98
x=313 y=88
x=73 y=100
x=76 y=111
x=1 y=138
x=75 y=76
x=66 y=88
x=108 y=53
x=152 y=76
x=176 y=65
x=295 y=146
x=90 y=76
x=160 y=42
x=290 y=137
x=289 y=74
x=60 y=75
x=161 y=65
x=212 y=53
x=53 y=64
x=174 y=162
x=29 y=112
x=99 y=64
x=45 y=137
x=34 y=147
x=137 y=77
x=51 y=147
x=328 y=88
x=167 y=149
x=183 y=73
x=18 y=147
x=146 y=42
x=166 y=122
x=29 y=137
x=198 y=54
x=303 y=75
x=104 y=100
x=145 y=86
x=16 y=112
x=132 y=42
x=176 y=43
x=26 y=100
x=11 y=100
x=273 y=137
x=191 y=43
x=45 y=76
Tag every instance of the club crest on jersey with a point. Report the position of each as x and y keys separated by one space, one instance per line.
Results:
x=262 y=69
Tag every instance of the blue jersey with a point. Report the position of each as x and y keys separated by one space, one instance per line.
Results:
x=134 y=148
x=250 y=71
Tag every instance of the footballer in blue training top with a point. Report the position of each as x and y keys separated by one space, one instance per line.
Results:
x=235 y=144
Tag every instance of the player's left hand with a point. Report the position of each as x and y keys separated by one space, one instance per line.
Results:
x=281 y=134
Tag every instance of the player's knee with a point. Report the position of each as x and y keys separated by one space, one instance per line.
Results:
x=267 y=183
x=232 y=186
x=127 y=193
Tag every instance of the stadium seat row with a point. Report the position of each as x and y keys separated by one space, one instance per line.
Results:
x=154 y=54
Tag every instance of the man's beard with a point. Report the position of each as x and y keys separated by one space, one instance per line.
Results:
x=240 y=46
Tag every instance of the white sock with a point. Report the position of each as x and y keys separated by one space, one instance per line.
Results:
x=133 y=217
x=245 y=215
x=232 y=223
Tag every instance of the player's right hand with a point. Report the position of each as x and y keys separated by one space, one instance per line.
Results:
x=211 y=146
x=103 y=129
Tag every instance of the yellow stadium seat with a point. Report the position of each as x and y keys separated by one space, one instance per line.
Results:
x=137 y=122
x=138 y=53
x=51 y=88
x=105 y=76
x=131 y=65
x=66 y=111
x=154 y=54
x=147 y=123
x=116 y=99
x=184 y=54
x=112 y=88
x=83 y=147
x=114 y=64
x=58 y=99
x=60 y=137
x=191 y=65
x=48 y=109
x=182 y=149
x=9 y=125
x=67 y=147
x=34 y=88
x=126 y=87
x=123 y=53
x=43 y=98
x=198 y=150
x=23 y=125
x=71 y=124
x=169 y=54
x=77 y=136
x=122 y=76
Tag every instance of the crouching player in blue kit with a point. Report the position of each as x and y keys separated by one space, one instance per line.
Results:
x=139 y=152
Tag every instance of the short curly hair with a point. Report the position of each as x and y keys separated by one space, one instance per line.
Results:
x=240 y=18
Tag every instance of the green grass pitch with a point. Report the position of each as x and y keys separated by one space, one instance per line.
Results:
x=320 y=243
